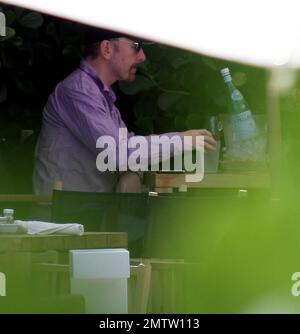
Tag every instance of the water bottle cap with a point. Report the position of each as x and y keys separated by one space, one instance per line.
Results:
x=8 y=211
x=225 y=71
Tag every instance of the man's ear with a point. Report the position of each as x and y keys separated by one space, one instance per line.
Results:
x=106 y=49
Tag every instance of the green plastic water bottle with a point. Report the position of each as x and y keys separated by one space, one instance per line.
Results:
x=241 y=116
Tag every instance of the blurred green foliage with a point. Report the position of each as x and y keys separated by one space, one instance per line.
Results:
x=36 y=53
x=177 y=90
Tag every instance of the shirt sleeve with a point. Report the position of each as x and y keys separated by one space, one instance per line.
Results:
x=88 y=117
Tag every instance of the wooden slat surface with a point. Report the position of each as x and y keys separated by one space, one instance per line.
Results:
x=25 y=198
x=39 y=243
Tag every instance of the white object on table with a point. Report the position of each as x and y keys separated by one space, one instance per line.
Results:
x=100 y=275
x=38 y=227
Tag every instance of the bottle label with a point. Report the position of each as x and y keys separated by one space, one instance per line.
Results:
x=236 y=95
x=244 y=125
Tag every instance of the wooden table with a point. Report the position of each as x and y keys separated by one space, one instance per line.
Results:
x=39 y=243
x=166 y=182
x=18 y=250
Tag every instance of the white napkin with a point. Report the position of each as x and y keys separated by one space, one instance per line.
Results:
x=38 y=227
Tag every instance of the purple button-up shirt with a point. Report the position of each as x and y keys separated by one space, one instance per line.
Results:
x=78 y=112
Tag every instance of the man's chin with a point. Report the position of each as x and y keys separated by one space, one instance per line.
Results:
x=131 y=77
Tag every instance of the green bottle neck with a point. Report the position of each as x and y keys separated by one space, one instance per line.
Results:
x=230 y=86
x=236 y=102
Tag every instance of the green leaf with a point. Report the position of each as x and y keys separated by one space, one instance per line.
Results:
x=10 y=17
x=18 y=42
x=32 y=20
x=239 y=78
x=140 y=84
x=145 y=66
x=167 y=100
x=19 y=11
x=210 y=63
x=10 y=32
x=180 y=61
x=52 y=31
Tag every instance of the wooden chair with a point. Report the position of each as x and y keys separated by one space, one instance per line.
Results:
x=55 y=281
x=51 y=289
x=154 y=285
x=167 y=285
x=51 y=278
x=139 y=287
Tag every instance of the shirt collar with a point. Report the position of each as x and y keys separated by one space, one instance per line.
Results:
x=86 y=67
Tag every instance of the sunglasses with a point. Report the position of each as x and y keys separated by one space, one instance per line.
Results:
x=136 y=46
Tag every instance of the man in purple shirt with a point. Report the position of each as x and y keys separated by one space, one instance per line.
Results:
x=80 y=110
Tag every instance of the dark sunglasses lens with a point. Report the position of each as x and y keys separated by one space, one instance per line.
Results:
x=137 y=46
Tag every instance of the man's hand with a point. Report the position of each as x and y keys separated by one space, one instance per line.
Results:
x=209 y=141
x=129 y=182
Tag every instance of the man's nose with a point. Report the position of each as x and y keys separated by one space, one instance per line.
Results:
x=141 y=56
